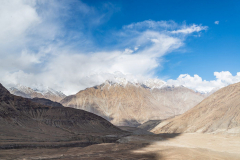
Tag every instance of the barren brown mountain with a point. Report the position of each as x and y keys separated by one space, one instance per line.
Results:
x=23 y=122
x=133 y=104
x=219 y=113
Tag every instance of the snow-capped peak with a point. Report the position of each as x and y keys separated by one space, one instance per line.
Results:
x=154 y=83
x=149 y=83
x=37 y=89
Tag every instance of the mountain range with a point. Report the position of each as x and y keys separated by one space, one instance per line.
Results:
x=123 y=102
x=131 y=104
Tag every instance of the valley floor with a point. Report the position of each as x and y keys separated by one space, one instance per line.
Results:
x=164 y=146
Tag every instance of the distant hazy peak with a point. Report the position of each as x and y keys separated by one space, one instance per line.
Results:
x=43 y=90
x=40 y=92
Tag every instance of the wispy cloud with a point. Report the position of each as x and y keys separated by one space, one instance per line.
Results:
x=48 y=45
x=150 y=24
x=190 y=29
x=216 y=22
x=165 y=26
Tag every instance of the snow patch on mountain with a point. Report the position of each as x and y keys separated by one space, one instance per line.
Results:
x=149 y=83
x=154 y=83
x=38 y=89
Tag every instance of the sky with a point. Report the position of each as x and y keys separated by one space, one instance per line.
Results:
x=69 y=45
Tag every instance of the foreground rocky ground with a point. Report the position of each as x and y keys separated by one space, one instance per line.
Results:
x=164 y=146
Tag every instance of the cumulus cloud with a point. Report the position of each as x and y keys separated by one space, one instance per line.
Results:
x=42 y=47
x=196 y=83
x=216 y=22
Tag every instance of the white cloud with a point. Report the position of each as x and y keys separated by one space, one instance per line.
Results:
x=152 y=25
x=196 y=83
x=216 y=22
x=16 y=18
x=170 y=26
x=41 y=50
x=191 y=29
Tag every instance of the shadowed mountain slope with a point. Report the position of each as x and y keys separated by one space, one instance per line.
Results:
x=149 y=125
x=219 y=113
x=46 y=102
x=23 y=120
x=133 y=104
x=135 y=130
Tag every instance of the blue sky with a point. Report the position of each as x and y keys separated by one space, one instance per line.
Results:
x=69 y=45
x=216 y=50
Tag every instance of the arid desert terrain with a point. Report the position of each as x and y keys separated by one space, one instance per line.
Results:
x=42 y=129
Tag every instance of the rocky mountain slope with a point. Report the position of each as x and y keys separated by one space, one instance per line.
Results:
x=22 y=120
x=219 y=113
x=46 y=102
x=28 y=92
x=135 y=130
x=179 y=99
x=149 y=125
x=129 y=104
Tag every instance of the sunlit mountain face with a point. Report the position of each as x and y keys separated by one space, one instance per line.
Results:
x=131 y=104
